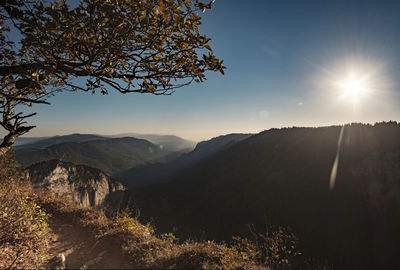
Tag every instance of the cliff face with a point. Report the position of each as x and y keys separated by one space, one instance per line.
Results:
x=87 y=186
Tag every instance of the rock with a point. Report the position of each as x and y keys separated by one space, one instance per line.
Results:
x=85 y=185
x=57 y=262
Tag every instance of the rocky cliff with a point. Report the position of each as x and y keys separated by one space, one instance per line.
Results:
x=87 y=186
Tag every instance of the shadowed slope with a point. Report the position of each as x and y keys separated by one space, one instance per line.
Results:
x=282 y=177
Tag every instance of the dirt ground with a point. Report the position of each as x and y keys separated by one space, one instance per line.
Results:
x=81 y=249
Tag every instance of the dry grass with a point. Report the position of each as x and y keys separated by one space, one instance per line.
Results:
x=147 y=250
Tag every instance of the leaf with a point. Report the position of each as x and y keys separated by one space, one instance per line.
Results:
x=22 y=83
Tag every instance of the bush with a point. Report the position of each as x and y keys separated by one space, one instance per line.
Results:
x=277 y=246
x=23 y=224
x=150 y=251
x=130 y=224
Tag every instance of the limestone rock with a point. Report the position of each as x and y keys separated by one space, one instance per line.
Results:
x=87 y=186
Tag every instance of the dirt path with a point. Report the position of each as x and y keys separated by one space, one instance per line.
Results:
x=80 y=247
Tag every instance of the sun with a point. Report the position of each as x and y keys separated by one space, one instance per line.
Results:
x=354 y=85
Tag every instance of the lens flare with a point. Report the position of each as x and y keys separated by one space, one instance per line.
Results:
x=332 y=179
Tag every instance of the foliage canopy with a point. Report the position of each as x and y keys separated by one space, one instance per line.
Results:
x=95 y=46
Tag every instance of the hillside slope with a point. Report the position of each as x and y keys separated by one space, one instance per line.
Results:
x=282 y=177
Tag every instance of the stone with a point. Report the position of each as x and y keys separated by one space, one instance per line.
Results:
x=89 y=187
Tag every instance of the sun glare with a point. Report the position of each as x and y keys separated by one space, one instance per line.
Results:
x=354 y=86
x=354 y=83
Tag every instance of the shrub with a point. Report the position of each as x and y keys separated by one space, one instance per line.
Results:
x=23 y=223
x=246 y=249
x=130 y=224
x=278 y=246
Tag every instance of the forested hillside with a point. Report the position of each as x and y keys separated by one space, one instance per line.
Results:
x=282 y=177
x=109 y=155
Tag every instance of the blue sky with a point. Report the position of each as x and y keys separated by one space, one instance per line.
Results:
x=283 y=61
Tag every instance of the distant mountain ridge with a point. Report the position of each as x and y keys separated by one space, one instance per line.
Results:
x=169 y=142
x=27 y=140
x=39 y=143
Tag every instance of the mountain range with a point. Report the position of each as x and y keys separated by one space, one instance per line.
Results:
x=168 y=142
x=43 y=142
x=111 y=155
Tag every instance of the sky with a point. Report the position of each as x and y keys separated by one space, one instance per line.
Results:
x=289 y=63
